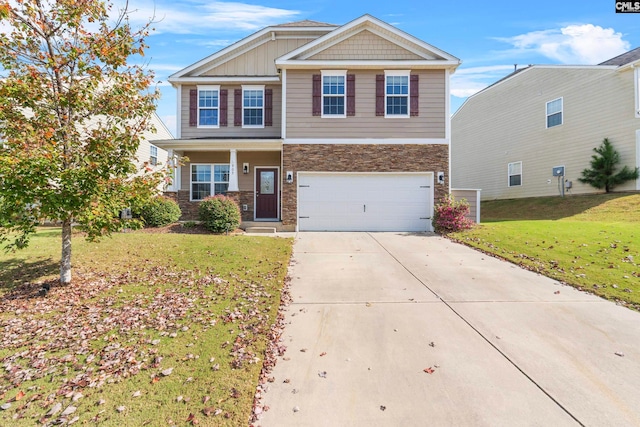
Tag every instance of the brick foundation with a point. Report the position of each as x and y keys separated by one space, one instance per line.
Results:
x=359 y=158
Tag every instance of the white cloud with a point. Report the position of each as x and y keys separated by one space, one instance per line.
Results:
x=170 y=122
x=467 y=81
x=574 y=44
x=202 y=17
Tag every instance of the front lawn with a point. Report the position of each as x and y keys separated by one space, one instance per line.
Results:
x=156 y=329
x=590 y=242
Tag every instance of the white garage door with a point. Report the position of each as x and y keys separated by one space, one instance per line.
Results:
x=364 y=202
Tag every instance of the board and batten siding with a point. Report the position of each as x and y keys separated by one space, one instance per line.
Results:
x=189 y=132
x=507 y=123
x=430 y=123
x=365 y=45
x=259 y=61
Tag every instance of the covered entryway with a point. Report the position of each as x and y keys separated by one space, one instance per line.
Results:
x=266 y=193
x=365 y=201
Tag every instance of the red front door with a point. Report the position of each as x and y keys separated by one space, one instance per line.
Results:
x=266 y=193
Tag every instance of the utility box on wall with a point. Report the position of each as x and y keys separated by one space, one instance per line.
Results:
x=558 y=171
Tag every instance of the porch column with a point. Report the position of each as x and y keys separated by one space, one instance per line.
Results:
x=233 y=170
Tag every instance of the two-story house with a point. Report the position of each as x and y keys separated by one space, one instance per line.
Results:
x=532 y=133
x=318 y=127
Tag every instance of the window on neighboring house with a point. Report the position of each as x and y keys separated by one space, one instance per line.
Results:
x=253 y=106
x=334 y=93
x=637 y=86
x=397 y=93
x=554 y=113
x=515 y=174
x=153 y=155
x=208 y=106
x=208 y=180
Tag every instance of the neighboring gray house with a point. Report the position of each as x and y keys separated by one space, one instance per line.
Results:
x=512 y=138
x=314 y=126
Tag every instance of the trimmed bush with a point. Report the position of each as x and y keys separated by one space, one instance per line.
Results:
x=219 y=213
x=450 y=215
x=160 y=211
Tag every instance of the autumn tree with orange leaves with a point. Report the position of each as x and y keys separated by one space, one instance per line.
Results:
x=73 y=109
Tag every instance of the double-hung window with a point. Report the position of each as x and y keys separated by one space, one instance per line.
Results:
x=208 y=180
x=515 y=174
x=396 y=94
x=334 y=93
x=554 y=113
x=208 y=106
x=637 y=87
x=153 y=155
x=253 y=106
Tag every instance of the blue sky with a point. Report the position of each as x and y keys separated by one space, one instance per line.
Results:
x=489 y=37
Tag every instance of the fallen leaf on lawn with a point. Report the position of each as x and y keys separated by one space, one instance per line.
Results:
x=5 y=406
x=206 y=399
x=73 y=420
x=54 y=410
x=19 y=396
x=216 y=367
x=167 y=372
x=121 y=408
x=209 y=410
x=70 y=410
x=428 y=370
x=179 y=399
x=101 y=402
x=155 y=380
x=136 y=394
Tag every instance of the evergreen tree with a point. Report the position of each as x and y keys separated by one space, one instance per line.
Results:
x=603 y=169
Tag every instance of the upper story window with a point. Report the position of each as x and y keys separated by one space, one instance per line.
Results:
x=334 y=93
x=554 y=113
x=153 y=155
x=253 y=106
x=396 y=94
x=515 y=174
x=208 y=106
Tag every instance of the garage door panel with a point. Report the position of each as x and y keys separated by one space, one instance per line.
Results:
x=364 y=202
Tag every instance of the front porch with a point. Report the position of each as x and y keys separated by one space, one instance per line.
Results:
x=250 y=173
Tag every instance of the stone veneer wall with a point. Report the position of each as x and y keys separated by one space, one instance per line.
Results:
x=360 y=158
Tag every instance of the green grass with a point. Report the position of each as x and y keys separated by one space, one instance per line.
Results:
x=140 y=303
x=590 y=242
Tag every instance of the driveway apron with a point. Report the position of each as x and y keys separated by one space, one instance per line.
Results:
x=395 y=329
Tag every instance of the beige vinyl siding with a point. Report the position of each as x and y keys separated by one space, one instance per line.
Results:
x=365 y=45
x=259 y=61
x=230 y=130
x=430 y=123
x=507 y=123
x=245 y=181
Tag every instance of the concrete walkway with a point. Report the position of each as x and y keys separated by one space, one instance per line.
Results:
x=505 y=347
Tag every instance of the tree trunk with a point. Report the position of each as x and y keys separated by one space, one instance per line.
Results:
x=65 y=261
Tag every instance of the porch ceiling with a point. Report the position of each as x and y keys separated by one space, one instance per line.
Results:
x=220 y=144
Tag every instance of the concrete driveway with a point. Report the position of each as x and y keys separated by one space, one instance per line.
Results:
x=501 y=346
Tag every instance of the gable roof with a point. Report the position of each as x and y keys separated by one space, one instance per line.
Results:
x=247 y=43
x=305 y=23
x=430 y=55
x=623 y=59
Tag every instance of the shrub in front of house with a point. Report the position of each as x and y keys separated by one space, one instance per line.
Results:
x=219 y=213
x=449 y=215
x=160 y=211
